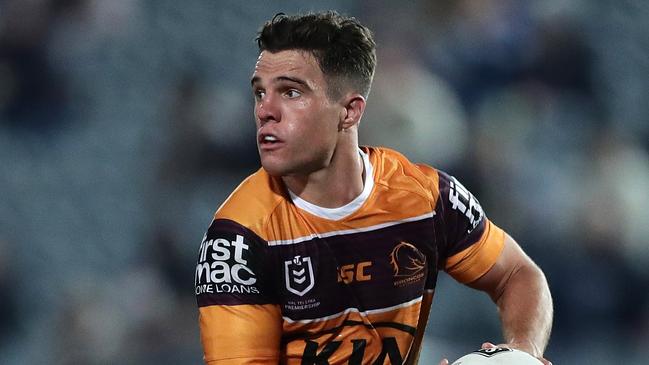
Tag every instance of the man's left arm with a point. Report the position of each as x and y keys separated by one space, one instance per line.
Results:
x=519 y=289
x=479 y=254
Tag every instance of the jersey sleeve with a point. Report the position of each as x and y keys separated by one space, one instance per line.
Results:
x=239 y=318
x=472 y=243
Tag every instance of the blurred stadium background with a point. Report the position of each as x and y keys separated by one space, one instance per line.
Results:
x=125 y=123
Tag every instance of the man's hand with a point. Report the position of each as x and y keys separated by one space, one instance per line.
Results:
x=443 y=362
x=523 y=347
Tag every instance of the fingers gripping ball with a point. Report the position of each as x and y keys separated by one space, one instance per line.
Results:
x=497 y=356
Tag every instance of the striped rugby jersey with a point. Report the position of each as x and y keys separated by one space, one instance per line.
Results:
x=280 y=280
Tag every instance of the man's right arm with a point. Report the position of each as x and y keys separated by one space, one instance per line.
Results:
x=240 y=321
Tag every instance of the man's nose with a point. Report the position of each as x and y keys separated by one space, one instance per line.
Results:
x=267 y=110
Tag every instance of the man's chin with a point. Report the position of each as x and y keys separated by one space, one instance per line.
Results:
x=283 y=169
x=273 y=169
x=273 y=172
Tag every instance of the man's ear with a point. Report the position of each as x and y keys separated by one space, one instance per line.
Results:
x=354 y=107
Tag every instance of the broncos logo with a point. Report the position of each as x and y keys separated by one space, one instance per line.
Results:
x=406 y=260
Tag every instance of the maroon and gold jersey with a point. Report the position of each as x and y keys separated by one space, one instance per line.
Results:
x=280 y=280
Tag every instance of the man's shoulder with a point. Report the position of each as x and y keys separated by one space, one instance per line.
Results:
x=397 y=171
x=253 y=201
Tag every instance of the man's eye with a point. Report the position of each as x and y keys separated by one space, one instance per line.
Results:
x=292 y=93
x=259 y=94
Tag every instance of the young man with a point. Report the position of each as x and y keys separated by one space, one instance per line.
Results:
x=329 y=254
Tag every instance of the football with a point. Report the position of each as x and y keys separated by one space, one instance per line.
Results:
x=497 y=356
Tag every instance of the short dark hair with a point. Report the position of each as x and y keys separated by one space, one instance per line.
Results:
x=344 y=49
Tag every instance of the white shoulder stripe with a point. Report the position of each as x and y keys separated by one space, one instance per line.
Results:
x=355 y=310
x=350 y=231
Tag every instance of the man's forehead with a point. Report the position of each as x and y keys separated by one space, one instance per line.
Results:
x=288 y=61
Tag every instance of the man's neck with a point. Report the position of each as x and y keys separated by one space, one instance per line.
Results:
x=334 y=186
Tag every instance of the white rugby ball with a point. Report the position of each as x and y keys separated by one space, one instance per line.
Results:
x=498 y=356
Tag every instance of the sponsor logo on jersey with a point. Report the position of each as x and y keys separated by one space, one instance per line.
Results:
x=298 y=273
x=315 y=353
x=223 y=267
x=408 y=264
x=464 y=202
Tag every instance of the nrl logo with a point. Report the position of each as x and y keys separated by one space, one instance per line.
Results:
x=299 y=275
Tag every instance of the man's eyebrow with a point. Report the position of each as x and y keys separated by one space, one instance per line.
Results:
x=296 y=80
x=293 y=79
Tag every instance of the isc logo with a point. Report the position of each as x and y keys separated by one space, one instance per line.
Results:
x=354 y=272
